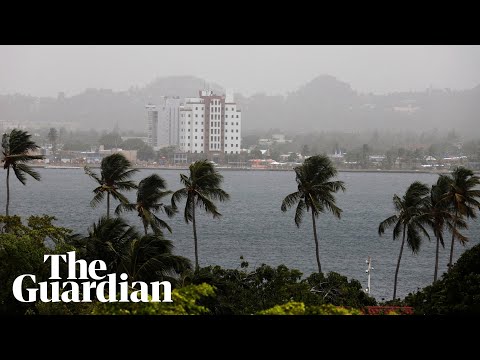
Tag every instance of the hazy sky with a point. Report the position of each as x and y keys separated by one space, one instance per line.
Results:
x=46 y=70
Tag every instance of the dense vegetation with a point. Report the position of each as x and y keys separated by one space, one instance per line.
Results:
x=150 y=257
x=240 y=291
x=458 y=292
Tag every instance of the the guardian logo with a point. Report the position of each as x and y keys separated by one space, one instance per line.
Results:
x=54 y=291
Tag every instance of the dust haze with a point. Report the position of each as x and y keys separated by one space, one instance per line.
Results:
x=291 y=89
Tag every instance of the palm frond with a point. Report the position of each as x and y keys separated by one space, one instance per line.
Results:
x=207 y=204
x=161 y=223
x=125 y=207
x=19 y=174
x=123 y=176
x=216 y=194
x=188 y=212
x=5 y=144
x=178 y=196
x=28 y=170
x=19 y=142
x=415 y=193
x=397 y=230
x=387 y=223
x=290 y=200
x=169 y=210
x=335 y=186
x=459 y=236
x=423 y=230
x=150 y=258
x=314 y=204
x=439 y=236
x=300 y=212
x=397 y=202
x=24 y=157
x=184 y=179
x=97 y=199
x=93 y=175
x=126 y=185
x=462 y=195
x=152 y=182
x=334 y=209
x=119 y=196
x=414 y=240
x=315 y=186
x=109 y=240
x=115 y=172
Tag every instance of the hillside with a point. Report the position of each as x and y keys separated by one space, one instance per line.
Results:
x=324 y=103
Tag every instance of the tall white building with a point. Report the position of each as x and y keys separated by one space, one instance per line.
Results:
x=162 y=122
x=168 y=120
x=152 y=125
x=210 y=124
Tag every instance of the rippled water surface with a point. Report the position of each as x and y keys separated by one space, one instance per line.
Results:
x=253 y=225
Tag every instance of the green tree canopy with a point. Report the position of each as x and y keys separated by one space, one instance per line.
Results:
x=245 y=292
x=133 y=144
x=457 y=291
x=22 y=251
x=146 y=153
x=111 y=140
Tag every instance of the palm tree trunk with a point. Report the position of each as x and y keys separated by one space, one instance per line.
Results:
x=195 y=238
x=453 y=240
x=108 y=205
x=8 y=190
x=436 y=261
x=145 y=227
x=398 y=264
x=316 y=244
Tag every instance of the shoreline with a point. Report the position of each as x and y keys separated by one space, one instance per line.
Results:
x=220 y=168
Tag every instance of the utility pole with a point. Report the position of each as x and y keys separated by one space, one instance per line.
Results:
x=368 y=271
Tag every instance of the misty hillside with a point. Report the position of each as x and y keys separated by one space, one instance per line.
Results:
x=328 y=104
x=324 y=103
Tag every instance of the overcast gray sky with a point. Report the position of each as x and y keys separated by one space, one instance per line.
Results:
x=46 y=70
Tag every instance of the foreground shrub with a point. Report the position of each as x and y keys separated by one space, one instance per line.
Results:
x=458 y=292
x=298 y=308
x=184 y=303
x=246 y=292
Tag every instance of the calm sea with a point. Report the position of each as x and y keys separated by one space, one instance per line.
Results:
x=253 y=226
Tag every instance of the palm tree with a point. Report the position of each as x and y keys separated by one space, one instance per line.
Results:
x=16 y=147
x=149 y=258
x=114 y=175
x=149 y=195
x=201 y=188
x=439 y=216
x=107 y=240
x=315 y=192
x=462 y=196
x=124 y=250
x=409 y=220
